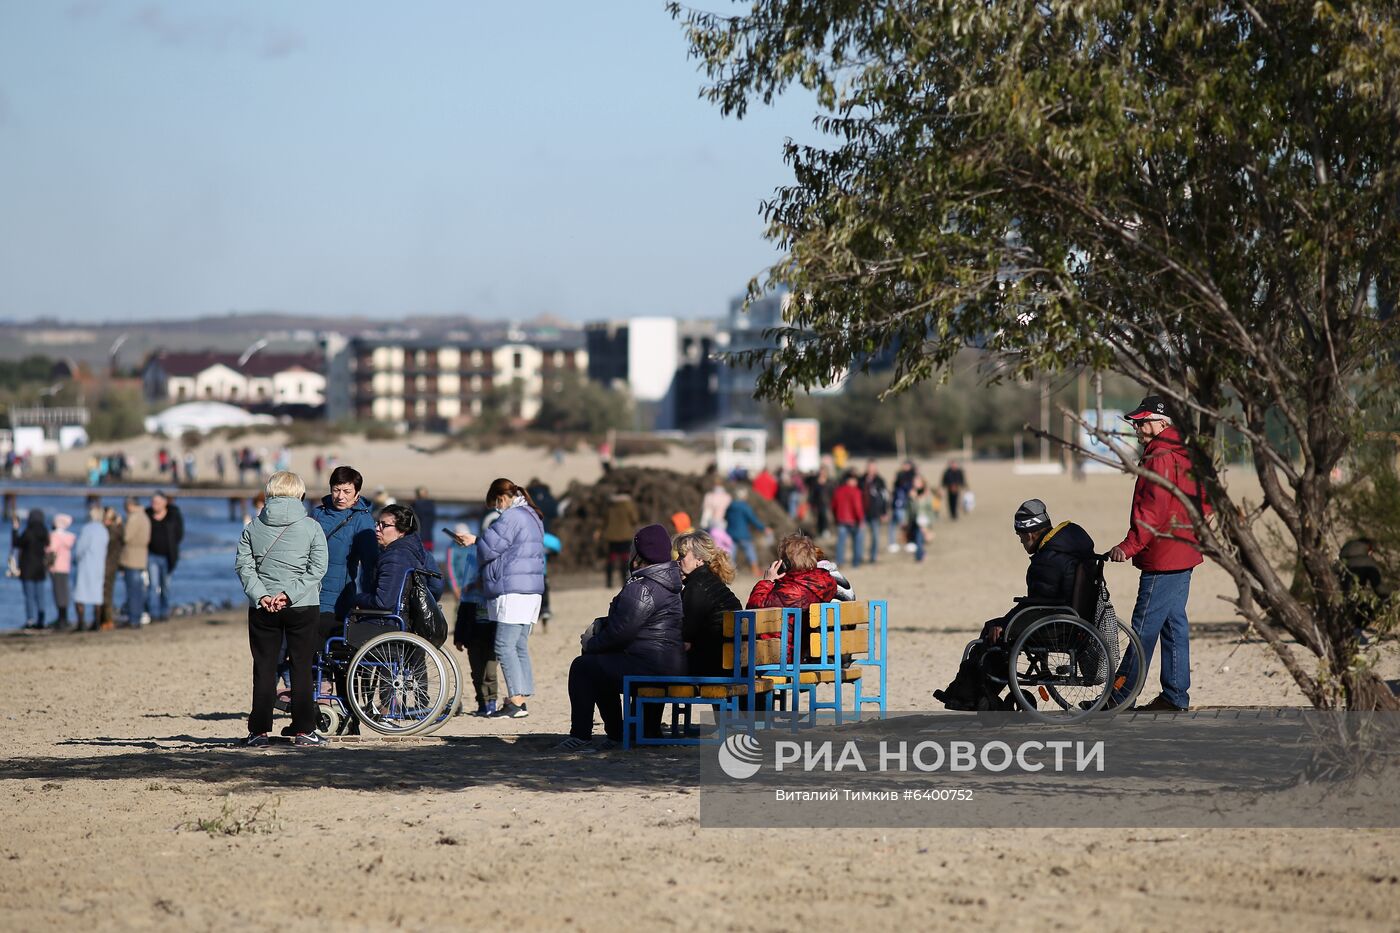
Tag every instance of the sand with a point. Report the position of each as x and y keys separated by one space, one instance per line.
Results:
x=116 y=743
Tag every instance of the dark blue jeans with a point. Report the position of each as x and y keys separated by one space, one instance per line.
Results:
x=135 y=595
x=1161 y=612
x=33 y=601
x=843 y=534
x=158 y=595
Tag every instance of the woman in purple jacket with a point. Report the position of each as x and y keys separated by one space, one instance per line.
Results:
x=511 y=556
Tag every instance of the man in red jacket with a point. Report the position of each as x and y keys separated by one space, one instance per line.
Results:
x=1162 y=544
x=848 y=508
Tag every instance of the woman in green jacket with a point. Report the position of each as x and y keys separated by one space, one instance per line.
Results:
x=281 y=560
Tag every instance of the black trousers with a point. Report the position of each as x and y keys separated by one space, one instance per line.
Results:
x=265 y=633
x=595 y=680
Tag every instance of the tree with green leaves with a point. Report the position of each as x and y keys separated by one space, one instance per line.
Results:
x=1201 y=196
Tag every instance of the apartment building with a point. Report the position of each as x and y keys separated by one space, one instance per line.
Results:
x=438 y=384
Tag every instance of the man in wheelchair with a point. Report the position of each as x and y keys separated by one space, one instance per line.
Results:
x=1056 y=553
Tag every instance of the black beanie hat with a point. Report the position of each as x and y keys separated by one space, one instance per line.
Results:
x=652 y=544
x=1031 y=516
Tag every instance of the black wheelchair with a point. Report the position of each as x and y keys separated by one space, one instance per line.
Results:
x=383 y=676
x=1061 y=663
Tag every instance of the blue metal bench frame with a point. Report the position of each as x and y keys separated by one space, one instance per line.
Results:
x=745 y=636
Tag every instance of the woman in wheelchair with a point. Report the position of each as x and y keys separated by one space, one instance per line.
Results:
x=1056 y=553
x=400 y=552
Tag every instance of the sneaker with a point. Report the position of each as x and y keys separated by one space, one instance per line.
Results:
x=255 y=740
x=308 y=740
x=893 y=548
x=485 y=709
x=572 y=744
x=604 y=744
x=1161 y=705
x=509 y=710
x=145 y=618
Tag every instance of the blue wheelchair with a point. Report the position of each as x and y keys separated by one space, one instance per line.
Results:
x=384 y=677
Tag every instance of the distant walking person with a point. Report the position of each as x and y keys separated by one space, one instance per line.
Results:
x=877 y=504
x=30 y=546
x=426 y=510
x=848 y=508
x=1162 y=544
x=89 y=569
x=954 y=482
x=281 y=560
x=618 y=527
x=60 y=558
x=116 y=541
x=167 y=531
x=741 y=522
x=134 y=557
x=511 y=556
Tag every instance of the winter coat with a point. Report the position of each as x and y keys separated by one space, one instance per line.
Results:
x=137 y=541
x=796 y=589
x=848 y=505
x=166 y=534
x=704 y=600
x=351 y=552
x=1160 y=537
x=621 y=522
x=90 y=560
x=30 y=544
x=644 y=621
x=511 y=553
x=741 y=522
x=283 y=550
x=877 y=497
x=1050 y=576
x=391 y=574
x=713 y=507
x=61 y=547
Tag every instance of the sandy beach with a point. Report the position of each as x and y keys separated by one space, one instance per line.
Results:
x=117 y=743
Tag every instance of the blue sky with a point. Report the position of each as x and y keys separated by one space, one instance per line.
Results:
x=492 y=159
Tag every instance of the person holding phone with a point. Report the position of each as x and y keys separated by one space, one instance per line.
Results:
x=511 y=555
x=793 y=581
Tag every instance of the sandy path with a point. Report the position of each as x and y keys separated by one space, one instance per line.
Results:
x=113 y=741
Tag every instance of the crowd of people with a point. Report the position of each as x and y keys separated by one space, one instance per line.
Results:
x=140 y=548
x=864 y=513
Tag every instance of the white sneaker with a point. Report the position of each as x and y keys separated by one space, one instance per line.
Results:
x=911 y=548
x=893 y=548
x=145 y=618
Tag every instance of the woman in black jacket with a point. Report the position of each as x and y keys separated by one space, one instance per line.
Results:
x=31 y=549
x=641 y=634
x=705 y=599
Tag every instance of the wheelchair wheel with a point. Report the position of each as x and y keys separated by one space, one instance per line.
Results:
x=1059 y=669
x=454 y=700
x=454 y=693
x=328 y=719
x=397 y=684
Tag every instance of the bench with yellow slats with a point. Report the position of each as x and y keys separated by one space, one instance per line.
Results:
x=727 y=694
x=833 y=635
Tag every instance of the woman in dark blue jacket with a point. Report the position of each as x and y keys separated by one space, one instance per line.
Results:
x=347 y=518
x=401 y=552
